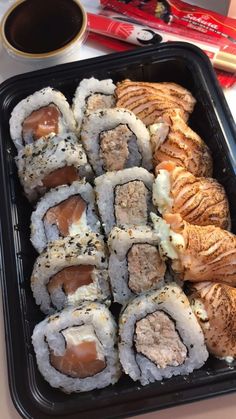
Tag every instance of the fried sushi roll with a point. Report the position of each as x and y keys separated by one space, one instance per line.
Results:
x=115 y=139
x=64 y=211
x=151 y=101
x=159 y=336
x=201 y=201
x=181 y=145
x=197 y=253
x=50 y=162
x=44 y=112
x=124 y=197
x=135 y=265
x=92 y=94
x=76 y=348
x=214 y=305
x=71 y=270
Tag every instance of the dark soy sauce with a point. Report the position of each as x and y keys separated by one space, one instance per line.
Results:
x=41 y=26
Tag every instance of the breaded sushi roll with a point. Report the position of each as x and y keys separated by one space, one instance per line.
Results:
x=124 y=197
x=76 y=348
x=71 y=270
x=201 y=201
x=214 y=305
x=64 y=211
x=135 y=265
x=92 y=94
x=115 y=139
x=51 y=162
x=44 y=112
x=159 y=336
x=181 y=145
x=197 y=253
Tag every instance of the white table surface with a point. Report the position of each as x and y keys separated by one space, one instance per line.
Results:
x=222 y=407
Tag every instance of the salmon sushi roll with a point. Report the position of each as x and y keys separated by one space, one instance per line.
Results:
x=40 y=114
x=76 y=349
x=160 y=337
x=180 y=145
x=90 y=95
x=51 y=162
x=71 y=270
x=201 y=201
x=214 y=305
x=124 y=197
x=115 y=139
x=135 y=265
x=64 y=211
x=196 y=253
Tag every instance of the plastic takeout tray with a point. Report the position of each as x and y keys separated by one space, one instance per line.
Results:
x=33 y=397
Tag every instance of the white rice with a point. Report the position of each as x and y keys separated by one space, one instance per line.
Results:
x=34 y=102
x=47 y=335
x=108 y=119
x=42 y=233
x=85 y=89
x=37 y=160
x=79 y=250
x=171 y=300
x=105 y=189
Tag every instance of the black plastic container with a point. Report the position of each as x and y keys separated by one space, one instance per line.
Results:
x=32 y=396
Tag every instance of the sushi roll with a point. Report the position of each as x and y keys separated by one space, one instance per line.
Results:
x=92 y=94
x=71 y=270
x=124 y=197
x=44 y=112
x=64 y=211
x=151 y=101
x=214 y=305
x=201 y=201
x=50 y=162
x=135 y=265
x=159 y=336
x=183 y=146
x=115 y=139
x=76 y=348
x=196 y=253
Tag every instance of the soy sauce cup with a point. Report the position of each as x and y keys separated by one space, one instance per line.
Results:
x=43 y=31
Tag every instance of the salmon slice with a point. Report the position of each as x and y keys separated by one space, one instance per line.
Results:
x=185 y=148
x=71 y=278
x=79 y=361
x=215 y=308
x=66 y=213
x=209 y=253
x=41 y=122
x=199 y=200
x=63 y=176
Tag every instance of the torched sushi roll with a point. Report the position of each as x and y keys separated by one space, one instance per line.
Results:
x=151 y=101
x=92 y=94
x=44 y=112
x=115 y=139
x=199 y=200
x=197 y=253
x=135 y=265
x=50 y=162
x=181 y=145
x=71 y=270
x=159 y=336
x=76 y=348
x=214 y=305
x=64 y=211
x=124 y=197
